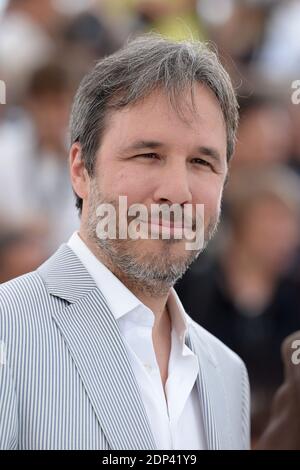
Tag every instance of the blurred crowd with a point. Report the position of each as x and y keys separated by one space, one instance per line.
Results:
x=245 y=287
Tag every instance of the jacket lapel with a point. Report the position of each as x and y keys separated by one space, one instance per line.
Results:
x=211 y=394
x=99 y=353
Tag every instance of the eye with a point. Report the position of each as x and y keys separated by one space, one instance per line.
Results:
x=200 y=161
x=148 y=156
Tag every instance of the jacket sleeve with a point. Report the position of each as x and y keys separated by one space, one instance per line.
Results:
x=245 y=408
x=8 y=399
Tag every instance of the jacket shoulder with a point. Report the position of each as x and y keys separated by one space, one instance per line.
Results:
x=23 y=299
x=234 y=377
x=218 y=351
x=20 y=289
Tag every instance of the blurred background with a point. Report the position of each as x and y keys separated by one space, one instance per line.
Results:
x=245 y=288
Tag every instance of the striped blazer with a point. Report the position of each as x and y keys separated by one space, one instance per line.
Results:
x=65 y=377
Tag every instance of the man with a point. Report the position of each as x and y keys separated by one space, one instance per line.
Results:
x=283 y=430
x=99 y=353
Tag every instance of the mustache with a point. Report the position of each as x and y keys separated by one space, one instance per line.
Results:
x=165 y=222
x=174 y=216
x=164 y=216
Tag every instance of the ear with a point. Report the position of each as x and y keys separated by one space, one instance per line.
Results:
x=79 y=175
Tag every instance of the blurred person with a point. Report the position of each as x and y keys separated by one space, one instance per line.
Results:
x=247 y=293
x=91 y=32
x=283 y=429
x=176 y=19
x=85 y=38
x=154 y=122
x=27 y=42
x=34 y=177
x=264 y=134
x=279 y=58
x=227 y=20
x=21 y=250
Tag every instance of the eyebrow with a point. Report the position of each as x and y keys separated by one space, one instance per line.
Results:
x=153 y=144
x=142 y=144
x=210 y=152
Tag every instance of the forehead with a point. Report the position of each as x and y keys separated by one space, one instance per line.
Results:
x=154 y=117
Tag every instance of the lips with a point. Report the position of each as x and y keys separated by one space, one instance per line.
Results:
x=166 y=223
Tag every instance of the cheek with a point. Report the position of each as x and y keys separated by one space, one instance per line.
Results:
x=210 y=195
x=124 y=183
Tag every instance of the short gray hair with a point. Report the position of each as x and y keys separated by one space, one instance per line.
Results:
x=144 y=64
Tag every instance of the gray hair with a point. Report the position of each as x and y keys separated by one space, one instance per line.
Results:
x=144 y=64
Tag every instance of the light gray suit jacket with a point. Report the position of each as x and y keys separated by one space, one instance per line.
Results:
x=65 y=377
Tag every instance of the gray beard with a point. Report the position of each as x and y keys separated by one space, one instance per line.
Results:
x=150 y=274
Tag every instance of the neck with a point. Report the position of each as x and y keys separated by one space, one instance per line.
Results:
x=157 y=304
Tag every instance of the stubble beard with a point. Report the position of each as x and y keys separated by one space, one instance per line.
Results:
x=146 y=272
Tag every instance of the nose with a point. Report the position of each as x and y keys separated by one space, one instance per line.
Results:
x=173 y=185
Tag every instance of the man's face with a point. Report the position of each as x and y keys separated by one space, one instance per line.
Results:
x=153 y=156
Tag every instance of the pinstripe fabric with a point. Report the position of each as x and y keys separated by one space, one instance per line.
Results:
x=67 y=382
x=212 y=438
x=245 y=408
x=223 y=388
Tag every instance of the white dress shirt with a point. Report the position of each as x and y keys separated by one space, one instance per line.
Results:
x=174 y=416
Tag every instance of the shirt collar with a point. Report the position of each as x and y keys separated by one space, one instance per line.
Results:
x=106 y=281
x=180 y=320
x=125 y=301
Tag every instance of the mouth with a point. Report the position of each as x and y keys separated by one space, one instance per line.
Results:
x=165 y=228
x=166 y=223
